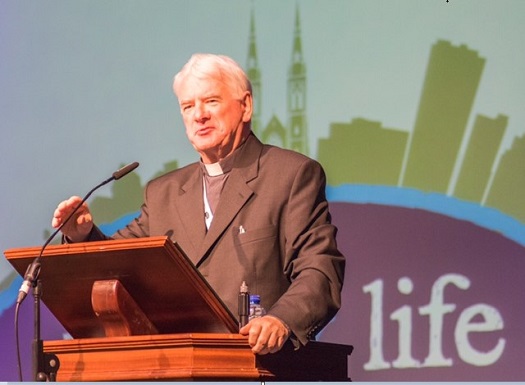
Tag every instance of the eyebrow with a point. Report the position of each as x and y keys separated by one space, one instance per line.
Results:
x=212 y=96
x=206 y=97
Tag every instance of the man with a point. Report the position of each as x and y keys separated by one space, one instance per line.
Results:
x=246 y=212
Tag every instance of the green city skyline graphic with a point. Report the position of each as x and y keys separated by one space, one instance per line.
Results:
x=426 y=158
x=363 y=152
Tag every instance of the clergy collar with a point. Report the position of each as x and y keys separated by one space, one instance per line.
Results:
x=213 y=169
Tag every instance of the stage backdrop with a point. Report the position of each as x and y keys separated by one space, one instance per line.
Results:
x=415 y=109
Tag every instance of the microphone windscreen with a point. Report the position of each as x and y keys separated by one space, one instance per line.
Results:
x=125 y=170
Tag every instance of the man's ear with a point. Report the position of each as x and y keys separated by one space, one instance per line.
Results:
x=247 y=102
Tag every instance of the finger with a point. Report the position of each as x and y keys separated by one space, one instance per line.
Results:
x=278 y=345
x=272 y=341
x=84 y=218
x=253 y=334
x=244 y=330
x=277 y=338
x=261 y=346
x=58 y=214
x=66 y=206
x=60 y=208
x=264 y=350
x=73 y=201
x=55 y=222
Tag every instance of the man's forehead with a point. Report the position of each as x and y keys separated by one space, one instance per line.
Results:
x=199 y=87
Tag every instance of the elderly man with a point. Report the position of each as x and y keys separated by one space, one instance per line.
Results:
x=245 y=212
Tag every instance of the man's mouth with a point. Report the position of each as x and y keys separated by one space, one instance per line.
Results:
x=204 y=131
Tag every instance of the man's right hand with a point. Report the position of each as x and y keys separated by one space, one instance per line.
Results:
x=79 y=226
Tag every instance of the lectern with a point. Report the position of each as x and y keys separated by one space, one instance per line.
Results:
x=138 y=310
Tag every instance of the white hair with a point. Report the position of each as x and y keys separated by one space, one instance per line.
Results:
x=219 y=67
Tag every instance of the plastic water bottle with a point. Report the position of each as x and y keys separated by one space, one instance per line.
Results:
x=256 y=310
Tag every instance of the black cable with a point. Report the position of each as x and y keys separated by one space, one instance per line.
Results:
x=19 y=363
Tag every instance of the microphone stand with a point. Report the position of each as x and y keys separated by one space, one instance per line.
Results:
x=45 y=365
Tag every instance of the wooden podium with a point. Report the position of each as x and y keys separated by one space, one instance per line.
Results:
x=138 y=309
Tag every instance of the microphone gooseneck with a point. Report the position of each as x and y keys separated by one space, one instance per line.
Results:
x=33 y=270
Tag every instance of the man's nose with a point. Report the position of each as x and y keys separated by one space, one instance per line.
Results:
x=200 y=112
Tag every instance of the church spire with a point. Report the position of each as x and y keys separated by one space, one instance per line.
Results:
x=297 y=55
x=254 y=74
x=297 y=128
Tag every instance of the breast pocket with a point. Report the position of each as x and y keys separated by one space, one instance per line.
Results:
x=245 y=236
x=257 y=253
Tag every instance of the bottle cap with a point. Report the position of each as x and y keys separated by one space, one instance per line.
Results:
x=255 y=299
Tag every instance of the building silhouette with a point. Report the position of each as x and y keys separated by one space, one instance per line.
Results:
x=294 y=134
x=362 y=151
x=452 y=79
x=297 y=128
x=506 y=191
x=254 y=74
x=480 y=156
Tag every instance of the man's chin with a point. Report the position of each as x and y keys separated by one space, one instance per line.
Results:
x=208 y=152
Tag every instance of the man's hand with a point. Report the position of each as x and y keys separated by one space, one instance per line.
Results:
x=79 y=226
x=266 y=334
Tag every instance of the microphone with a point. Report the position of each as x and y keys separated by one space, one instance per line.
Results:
x=125 y=170
x=244 y=305
x=33 y=270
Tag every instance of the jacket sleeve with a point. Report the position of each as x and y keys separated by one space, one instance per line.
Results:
x=313 y=264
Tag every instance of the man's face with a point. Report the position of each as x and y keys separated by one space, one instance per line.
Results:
x=214 y=117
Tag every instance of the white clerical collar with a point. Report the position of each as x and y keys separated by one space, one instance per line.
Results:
x=214 y=169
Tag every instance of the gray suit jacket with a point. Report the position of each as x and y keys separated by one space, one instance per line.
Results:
x=286 y=251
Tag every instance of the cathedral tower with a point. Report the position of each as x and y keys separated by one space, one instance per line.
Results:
x=254 y=74
x=296 y=103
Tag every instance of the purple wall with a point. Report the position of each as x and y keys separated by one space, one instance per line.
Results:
x=396 y=256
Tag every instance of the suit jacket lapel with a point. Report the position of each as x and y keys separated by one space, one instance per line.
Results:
x=190 y=207
x=235 y=194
